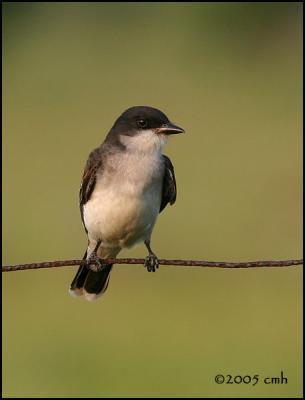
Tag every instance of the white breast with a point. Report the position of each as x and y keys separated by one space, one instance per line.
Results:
x=126 y=200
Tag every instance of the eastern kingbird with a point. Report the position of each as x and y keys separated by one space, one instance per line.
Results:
x=127 y=182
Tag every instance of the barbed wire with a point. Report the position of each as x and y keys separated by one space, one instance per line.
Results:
x=179 y=263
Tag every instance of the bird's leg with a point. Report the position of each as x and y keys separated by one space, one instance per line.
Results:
x=94 y=263
x=151 y=261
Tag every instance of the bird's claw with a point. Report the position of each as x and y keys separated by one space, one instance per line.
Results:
x=151 y=263
x=94 y=263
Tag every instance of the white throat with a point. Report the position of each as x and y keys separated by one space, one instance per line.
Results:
x=146 y=141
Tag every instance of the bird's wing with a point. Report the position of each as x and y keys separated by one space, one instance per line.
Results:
x=169 y=189
x=94 y=163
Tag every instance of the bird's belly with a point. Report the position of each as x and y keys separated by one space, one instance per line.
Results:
x=121 y=218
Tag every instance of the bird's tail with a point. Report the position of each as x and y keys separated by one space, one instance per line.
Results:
x=91 y=284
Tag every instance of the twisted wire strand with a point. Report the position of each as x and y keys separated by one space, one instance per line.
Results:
x=179 y=263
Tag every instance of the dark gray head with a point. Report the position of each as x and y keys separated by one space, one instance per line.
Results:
x=142 y=123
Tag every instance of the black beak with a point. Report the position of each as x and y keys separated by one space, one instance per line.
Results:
x=170 y=129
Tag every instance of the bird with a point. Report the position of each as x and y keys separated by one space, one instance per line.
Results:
x=127 y=182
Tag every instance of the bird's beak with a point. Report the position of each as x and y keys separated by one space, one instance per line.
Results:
x=169 y=129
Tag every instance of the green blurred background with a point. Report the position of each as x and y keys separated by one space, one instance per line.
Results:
x=231 y=75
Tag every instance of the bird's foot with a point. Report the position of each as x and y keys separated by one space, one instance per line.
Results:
x=151 y=263
x=94 y=263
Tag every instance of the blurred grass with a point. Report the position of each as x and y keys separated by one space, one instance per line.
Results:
x=231 y=75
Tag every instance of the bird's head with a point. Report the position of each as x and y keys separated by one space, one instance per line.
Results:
x=143 y=128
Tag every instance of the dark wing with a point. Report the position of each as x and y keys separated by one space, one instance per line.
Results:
x=169 y=189
x=94 y=162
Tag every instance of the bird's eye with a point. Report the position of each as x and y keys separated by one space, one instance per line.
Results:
x=142 y=123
